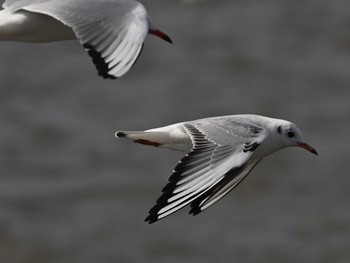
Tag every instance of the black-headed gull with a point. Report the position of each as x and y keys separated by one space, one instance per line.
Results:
x=112 y=31
x=221 y=151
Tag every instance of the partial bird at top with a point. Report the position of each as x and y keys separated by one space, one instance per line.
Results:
x=112 y=31
x=220 y=153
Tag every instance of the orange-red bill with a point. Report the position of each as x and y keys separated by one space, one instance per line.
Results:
x=307 y=147
x=160 y=34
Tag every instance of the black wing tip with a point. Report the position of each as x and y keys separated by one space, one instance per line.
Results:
x=101 y=65
x=153 y=214
x=151 y=218
x=195 y=210
x=195 y=205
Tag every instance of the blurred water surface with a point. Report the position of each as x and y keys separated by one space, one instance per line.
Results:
x=71 y=192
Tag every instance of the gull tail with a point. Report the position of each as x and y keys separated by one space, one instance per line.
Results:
x=155 y=139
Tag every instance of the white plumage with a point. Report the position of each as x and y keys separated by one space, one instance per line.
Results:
x=112 y=31
x=221 y=151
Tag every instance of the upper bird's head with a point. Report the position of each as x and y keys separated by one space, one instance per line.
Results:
x=289 y=134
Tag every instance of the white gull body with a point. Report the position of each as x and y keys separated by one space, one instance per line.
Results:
x=220 y=153
x=112 y=31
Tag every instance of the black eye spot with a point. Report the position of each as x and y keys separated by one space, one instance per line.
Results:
x=290 y=134
x=279 y=129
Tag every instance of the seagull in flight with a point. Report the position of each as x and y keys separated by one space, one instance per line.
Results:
x=111 y=31
x=220 y=153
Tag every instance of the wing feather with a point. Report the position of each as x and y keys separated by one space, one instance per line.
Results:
x=231 y=180
x=113 y=32
x=204 y=169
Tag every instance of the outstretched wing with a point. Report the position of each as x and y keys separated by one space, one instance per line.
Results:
x=231 y=179
x=112 y=32
x=219 y=160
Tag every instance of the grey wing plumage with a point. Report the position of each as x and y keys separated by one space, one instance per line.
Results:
x=231 y=180
x=112 y=32
x=207 y=173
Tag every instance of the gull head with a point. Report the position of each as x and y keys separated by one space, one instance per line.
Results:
x=288 y=134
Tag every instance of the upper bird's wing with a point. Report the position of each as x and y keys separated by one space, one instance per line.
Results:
x=219 y=160
x=112 y=31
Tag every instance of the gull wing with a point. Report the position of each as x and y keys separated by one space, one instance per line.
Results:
x=206 y=173
x=111 y=31
x=230 y=181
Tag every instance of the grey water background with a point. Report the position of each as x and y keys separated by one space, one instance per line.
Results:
x=71 y=192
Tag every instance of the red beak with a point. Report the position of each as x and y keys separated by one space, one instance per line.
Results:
x=160 y=34
x=307 y=147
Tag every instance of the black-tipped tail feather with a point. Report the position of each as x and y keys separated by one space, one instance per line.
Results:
x=120 y=134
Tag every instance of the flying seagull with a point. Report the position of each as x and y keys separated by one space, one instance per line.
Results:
x=112 y=31
x=220 y=153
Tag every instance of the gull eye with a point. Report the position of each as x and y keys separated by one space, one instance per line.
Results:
x=290 y=134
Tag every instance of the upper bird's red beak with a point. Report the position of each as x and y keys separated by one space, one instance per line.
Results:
x=160 y=34
x=307 y=147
